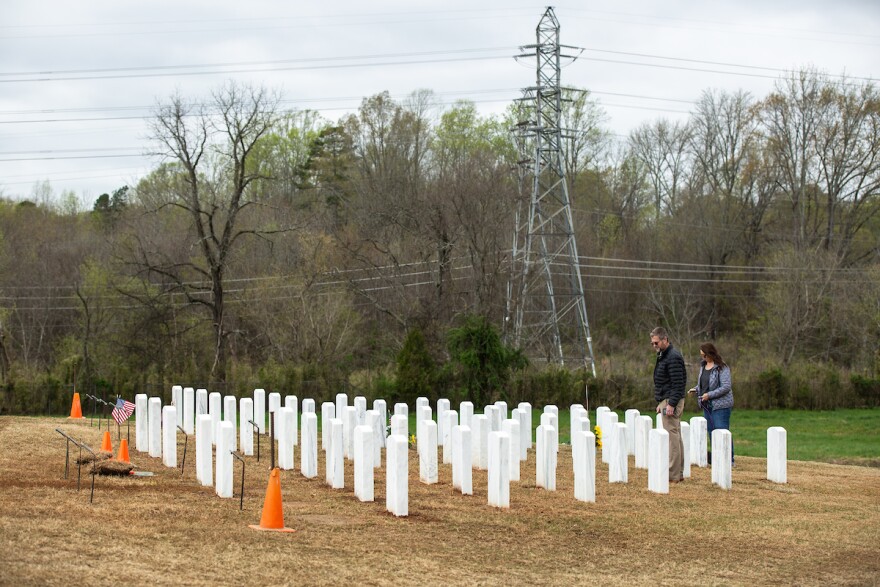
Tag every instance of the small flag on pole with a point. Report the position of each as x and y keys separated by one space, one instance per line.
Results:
x=122 y=411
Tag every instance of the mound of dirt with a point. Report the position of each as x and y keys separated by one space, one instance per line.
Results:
x=110 y=467
x=101 y=455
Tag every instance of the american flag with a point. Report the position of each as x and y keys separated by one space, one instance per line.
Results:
x=122 y=411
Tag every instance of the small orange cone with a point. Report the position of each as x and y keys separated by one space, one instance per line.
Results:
x=106 y=445
x=75 y=407
x=273 y=517
x=123 y=451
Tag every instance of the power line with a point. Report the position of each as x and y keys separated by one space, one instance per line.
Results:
x=721 y=63
x=256 y=70
x=272 y=65
x=258 y=63
x=740 y=33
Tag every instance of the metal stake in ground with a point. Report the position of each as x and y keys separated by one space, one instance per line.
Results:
x=254 y=424
x=185 y=443
x=67 y=455
x=272 y=438
x=94 y=409
x=240 y=459
x=83 y=445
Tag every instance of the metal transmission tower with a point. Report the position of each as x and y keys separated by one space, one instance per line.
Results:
x=547 y=315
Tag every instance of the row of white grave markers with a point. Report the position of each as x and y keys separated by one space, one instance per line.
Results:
x=498 y=451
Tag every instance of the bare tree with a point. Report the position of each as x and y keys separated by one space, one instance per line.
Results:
x=663 y=148
x=212 y=151
x=791 y=117
x=848 y=150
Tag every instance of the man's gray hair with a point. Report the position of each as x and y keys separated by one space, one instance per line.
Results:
x=660 y=332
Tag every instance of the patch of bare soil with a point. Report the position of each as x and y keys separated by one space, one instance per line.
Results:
x=822 y=528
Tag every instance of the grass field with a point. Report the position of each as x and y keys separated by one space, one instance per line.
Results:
x=839 y=436
x=822 y=528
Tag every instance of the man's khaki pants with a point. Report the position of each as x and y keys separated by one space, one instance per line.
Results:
x=672 y=425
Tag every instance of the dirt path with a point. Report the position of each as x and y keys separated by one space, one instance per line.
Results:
x=823 y=528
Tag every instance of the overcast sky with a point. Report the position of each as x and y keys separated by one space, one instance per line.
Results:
x=77 y=79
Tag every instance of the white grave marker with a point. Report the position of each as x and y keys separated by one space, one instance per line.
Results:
x=309 y=447
x=225 y=438
x=461 y=462
x=363 y=461
x=777 y=454
x=686 y=441
x=584 y=451
x=511 y=427
x=428 y=452
x=341 y=404
x=722 y=444
x=658 y=460
x=274 y=402
x=260 y=410
x=699 y=449
x=215 y=409
x=618 y=465
x=246 y=411
x=177 y=397
x=204 y=457
x=442 y=408
x=155 y=422
x=283 y=432
x=630 y=417
x=335 y=456
x=141 y=423
x=169 y=436
x=545 y=472
x=328 y=412
x=397 y=476
x=399 y=426
x=381 y=408
x=349 y=423
x=608 y=436
x=360 y=406
x=189 y=406
x=373 y=423
x=201 y=402
x=230 y=415
x=499 y=469
x=292 y=402
x=466 y=409
x=481 y=440
x=643 y=430
x=450 y=419
x=526 y=426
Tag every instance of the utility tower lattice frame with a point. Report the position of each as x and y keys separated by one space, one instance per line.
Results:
x=546 y=310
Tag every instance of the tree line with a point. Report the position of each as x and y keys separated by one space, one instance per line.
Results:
x=281 y=247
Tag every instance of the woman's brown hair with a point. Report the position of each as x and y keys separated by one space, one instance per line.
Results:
x=712 y=353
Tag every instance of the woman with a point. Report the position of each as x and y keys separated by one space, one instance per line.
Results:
x=714 y=391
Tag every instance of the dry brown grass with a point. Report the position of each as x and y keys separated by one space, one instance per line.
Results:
x=821 y=528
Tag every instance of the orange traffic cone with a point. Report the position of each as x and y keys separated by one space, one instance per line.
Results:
x=123 y=451
x=106 y=445
x=76 y=407
x=273 y=517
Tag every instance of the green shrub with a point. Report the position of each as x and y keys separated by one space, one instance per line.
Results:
x=867 y=390
x=772 y=387
x=416 y=372
x=482 y=363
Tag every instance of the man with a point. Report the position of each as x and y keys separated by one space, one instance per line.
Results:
x=670 y=380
